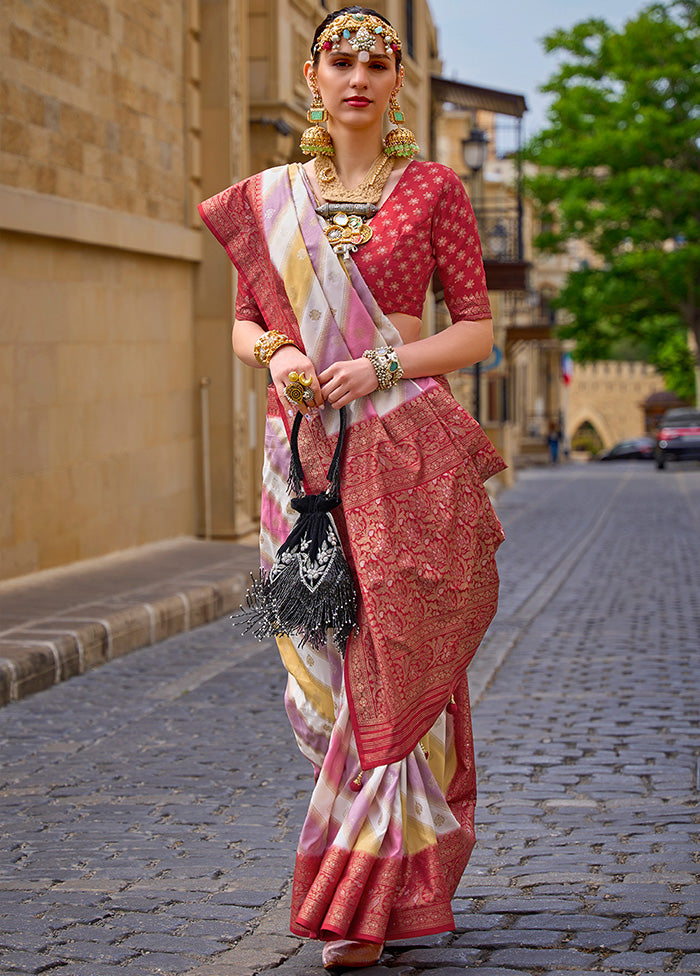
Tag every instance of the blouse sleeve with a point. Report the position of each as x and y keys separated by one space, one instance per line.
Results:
x=246 y=306
x=457 y=251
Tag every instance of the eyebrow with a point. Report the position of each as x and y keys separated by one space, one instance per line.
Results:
x=354 y=54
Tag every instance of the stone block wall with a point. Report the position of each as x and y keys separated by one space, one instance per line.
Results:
x=99 y=377
x=91 y=102
x=98 y=413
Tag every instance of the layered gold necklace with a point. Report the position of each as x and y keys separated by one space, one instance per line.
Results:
x=346 y=211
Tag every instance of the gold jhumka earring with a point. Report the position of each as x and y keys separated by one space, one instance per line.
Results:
x=399 y=141
x=315 y=141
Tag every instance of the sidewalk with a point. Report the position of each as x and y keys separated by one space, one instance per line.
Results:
x=60 y=623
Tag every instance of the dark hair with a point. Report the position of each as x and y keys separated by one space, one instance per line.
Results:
x=348 y=10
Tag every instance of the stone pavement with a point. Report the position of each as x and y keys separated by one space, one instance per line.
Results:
x=149 y=809
x=60 y=623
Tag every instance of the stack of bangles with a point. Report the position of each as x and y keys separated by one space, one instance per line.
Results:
x=386 y=365
x=298 y=389
x=268 y=344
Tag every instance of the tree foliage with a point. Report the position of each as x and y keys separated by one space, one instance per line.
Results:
x=618 y=166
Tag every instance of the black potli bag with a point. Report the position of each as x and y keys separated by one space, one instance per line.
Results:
x=309 y=590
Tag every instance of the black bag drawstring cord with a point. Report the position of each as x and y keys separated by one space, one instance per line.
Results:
x=296 y=472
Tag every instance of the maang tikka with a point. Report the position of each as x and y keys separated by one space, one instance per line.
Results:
x=399 y=141
x=316 y=141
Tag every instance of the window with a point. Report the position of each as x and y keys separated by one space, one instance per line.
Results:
x=410 y=29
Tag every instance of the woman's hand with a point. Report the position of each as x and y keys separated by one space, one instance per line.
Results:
x=347 y=380
x=288 y=359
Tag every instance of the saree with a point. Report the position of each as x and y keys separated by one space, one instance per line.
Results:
x=390 y=825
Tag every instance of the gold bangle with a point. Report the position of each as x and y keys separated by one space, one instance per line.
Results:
x=268 y=344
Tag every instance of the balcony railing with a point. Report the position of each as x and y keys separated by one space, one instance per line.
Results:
x=528 y=315
x=501 y=235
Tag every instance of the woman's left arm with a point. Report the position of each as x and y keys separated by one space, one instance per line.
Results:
x=461 y=344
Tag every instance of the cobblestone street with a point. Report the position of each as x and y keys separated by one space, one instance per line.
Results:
x=149 y=810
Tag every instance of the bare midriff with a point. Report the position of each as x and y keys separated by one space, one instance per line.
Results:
x=408 y=326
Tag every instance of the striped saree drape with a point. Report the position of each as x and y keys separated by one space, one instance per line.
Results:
x=419 y=532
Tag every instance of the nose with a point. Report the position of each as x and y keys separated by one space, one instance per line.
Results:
x=360 y=75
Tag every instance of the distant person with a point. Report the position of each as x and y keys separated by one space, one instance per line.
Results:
x=334 y=259
x=554 y=438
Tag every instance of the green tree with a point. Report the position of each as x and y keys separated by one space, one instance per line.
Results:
x=618 y=166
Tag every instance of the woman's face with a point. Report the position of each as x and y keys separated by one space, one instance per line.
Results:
x=356 y=93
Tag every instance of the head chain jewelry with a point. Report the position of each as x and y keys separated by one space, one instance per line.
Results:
x=361 y=30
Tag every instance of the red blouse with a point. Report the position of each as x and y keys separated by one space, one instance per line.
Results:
x=427 y=223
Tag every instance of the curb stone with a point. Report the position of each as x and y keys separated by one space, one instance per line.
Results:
x=56 y=634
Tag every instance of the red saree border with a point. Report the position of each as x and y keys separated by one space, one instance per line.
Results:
x=354 y=895
x=234 y=217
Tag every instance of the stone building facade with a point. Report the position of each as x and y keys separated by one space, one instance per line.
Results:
x=97 y=274
x=610 y=396
x=116 y=118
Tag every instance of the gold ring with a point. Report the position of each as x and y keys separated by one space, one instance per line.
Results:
x=294 y=392
x=298 y=389
x=295 y=377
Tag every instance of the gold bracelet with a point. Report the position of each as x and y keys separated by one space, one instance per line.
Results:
x=268 y=344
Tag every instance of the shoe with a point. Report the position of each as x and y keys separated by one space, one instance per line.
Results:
x=348 y=954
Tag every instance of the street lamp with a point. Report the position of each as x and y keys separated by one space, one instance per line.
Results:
x=475 y=150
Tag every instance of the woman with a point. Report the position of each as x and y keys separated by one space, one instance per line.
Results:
x=334 y=259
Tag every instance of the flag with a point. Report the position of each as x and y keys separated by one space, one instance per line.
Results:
x=567 y=368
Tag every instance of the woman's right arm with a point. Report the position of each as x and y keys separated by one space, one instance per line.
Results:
x=284 y=360
x=244 y=336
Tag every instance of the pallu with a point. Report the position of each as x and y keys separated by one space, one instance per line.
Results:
x=390 y=825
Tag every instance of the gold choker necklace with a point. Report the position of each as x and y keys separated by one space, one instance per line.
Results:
x=368 y=191
x=347 y=210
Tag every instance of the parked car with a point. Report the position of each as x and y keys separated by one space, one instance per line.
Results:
x=633 y=449
x=678 y=438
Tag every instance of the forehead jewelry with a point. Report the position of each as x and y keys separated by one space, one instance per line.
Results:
x=362 y=31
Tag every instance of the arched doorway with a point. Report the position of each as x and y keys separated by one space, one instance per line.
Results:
x=587 y=438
